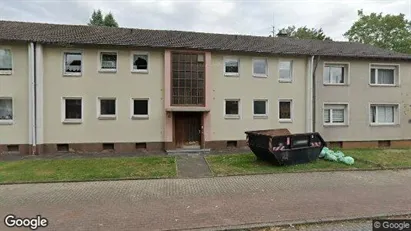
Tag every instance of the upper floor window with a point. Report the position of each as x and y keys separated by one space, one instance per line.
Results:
x=383 y=75
x=335 y=74
x=260 y=68
x=6 y=110
x=384 y=114
x=72 y=63
x=6 y=64
x=231 y=67
x=108 y=61
x=285 y=69
x=140 y=62
x=335 y=114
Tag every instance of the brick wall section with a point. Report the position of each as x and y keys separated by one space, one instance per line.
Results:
x=360 y=144
x=400 y=143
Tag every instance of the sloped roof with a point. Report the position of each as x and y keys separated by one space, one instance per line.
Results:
x=81 y=34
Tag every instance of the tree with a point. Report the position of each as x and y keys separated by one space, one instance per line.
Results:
x=110 y=21
x=385 y=31
x=304 y=33
x=97 y=19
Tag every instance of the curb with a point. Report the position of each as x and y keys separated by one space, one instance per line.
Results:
x=248 y=227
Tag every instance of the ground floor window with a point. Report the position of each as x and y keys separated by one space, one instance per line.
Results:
x=335 y=114
x=6 y=110
x=260 y=107
x=285 y=110
x=232 y=108
x=73 y=110
x=107 y=108
x=140 y=108
x=384 y=114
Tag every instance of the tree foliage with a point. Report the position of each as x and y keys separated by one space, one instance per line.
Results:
x=385 y=31
x=97 y=19
x=304 y=33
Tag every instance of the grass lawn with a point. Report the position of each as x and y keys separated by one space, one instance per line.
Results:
x=87 y=169
x=235 y=164
x=388 y=158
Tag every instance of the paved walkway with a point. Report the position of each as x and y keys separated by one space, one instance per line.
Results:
x=209 y=202
x=192 y=166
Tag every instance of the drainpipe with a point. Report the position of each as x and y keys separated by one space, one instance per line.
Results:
x=314 y=68
x=309 y=95
x=32 y=97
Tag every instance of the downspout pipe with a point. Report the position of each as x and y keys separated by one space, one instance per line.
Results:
x=32 y=98
x=314 y=91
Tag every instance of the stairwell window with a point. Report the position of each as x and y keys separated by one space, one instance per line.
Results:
x=384 y=114
x=72 y=63
x=335 y=74
x=108 y=61
x=140 y=62
x=72 y=110
x=335 y=114
x=6 y=110
x=6 y=62
x=383 y=75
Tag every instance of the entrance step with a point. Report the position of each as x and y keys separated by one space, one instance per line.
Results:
x=188 y=151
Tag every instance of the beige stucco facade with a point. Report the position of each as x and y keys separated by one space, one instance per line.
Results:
x=16 y=86
x=122 y=85
x=359 y=94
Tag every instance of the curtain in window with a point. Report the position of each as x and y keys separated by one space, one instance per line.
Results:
x=327 y=116
x=385 y=114
x=338 y=115
x=334 y=74
x=260 y=66
x=385 y=76
x=5 y=60
x=6 y=109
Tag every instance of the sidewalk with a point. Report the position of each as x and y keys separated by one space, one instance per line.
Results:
x=209 y=202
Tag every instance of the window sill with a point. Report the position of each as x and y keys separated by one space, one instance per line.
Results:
x=285 y=120
x=259 y=76
x=6 y=122
x=336 y=84
x=6 y=72
x=335 y=125
x=232 y=117
x=72 y=75
x=139 y=71
x=285 y=81
x=107 y=117
x=231 y=74
x=107 y=70
x=139 y=117
x=74 y=121
x=260 y=116
x=383 y=85
x=384 y=125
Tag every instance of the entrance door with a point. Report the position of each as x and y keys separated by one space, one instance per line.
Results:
x=187 y=129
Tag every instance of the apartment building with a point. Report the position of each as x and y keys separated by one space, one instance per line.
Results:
x=91 y=89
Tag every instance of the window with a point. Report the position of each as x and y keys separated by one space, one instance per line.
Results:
x=382 y=75
x=6 y=110
x=140 y=62
x=73 y=110
x=108 y=61
x=6 y=65
x=140 y=108
x=260 y=108
x=260 y=67
x=232 y=108
x=72 y=63
x=335 y=114
x=384 y=114
x=335 y=73
x=231 y=67
x=284 y=110
x=285 y=69
x=107 y=108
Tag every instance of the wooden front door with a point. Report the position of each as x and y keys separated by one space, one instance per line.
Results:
x=187 y=129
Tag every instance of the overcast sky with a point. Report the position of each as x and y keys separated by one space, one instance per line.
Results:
x=220 y=16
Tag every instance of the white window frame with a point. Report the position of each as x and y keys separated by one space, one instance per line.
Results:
x=106 y=117
x=230 y=74
x=8 y=72
x=266 y=68
x=69 y=74
x=391 y=66
x=290 y=120
x=132 y=62
x=100 y=59
x=347 y=73
x=8 y=122
x=397 y=114
x=260 y=116
x=63 y=110
x=281 y=80
x=330 y=105
x=139 y=117
x=229 y=116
